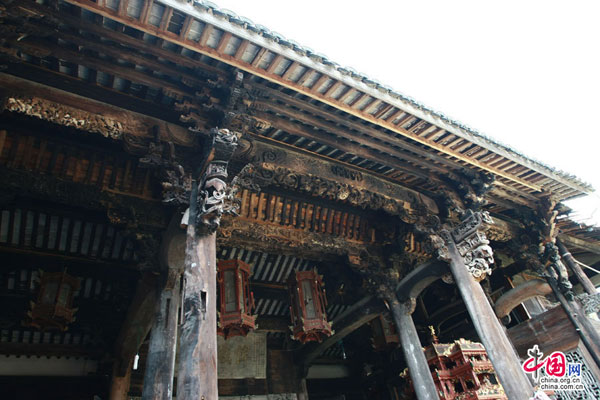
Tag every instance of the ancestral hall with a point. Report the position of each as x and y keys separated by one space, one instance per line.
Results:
x=195 y=207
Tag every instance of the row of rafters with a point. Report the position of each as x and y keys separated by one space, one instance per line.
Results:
x=208 y=32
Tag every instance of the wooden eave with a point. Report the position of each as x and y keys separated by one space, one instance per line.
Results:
x=219 y=22
x=304 y=101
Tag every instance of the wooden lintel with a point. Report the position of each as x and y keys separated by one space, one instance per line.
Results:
x=236 y=232
x=147 y=213
x=272 y=324
x=363 y=185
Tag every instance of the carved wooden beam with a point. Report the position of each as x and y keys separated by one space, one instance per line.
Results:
x=67 y=109
x=316 y=176
x=238 y=232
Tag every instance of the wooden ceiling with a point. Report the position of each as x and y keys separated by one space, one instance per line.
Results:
x=153 y=56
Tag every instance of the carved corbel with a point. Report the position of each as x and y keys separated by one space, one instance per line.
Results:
x=215 y=197
x=471 y=243
x=175 y=182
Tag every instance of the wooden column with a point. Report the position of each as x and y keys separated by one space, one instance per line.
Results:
x=197 y=371
x=119 y=385
x=413 y=351
x=499 y=349
x=160 y=363
x=209 y=200
x=585 y=281
x=303 y=390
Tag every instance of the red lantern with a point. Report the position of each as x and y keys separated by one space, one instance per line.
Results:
x=385 y=336
x=53 y=308
x=307 y=307
x=236 y=299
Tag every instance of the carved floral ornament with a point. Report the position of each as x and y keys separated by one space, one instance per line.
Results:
x=590 y=302
x=64 y=115
x=471 y=243
x=264 y=174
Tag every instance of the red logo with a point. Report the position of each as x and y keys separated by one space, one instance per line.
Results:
x=555 y=363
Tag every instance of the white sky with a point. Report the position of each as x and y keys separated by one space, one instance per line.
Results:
x=526 y=73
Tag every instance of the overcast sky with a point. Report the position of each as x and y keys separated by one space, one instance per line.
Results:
x=523 y=72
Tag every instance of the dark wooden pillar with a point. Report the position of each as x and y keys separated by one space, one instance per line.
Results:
x=587 y=284
x=197 y=372
x=119 y=384
x=197 y=367
x=413 y=351
x=303 y=390
x=160 y=363
x=474 y=247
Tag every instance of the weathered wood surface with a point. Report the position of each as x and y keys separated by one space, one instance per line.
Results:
x=489 y=330
x=119 y=385
x=551 y=331
x=572 y=241
x=138 y=322
x=292 y=169
x=197 y=368
x=411 y=286
x=585 y=281
x=413 y=351
x=515 y=296
x=160 y=362
x=250 y=235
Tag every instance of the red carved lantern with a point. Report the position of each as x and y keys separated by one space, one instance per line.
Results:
x=307 y=307
x=53 y=308
x=385 y=336
x=236 y=300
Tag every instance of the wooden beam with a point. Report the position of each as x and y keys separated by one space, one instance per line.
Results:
x=272 y=324
x=117 y=37
x=32 y=46
x=189 y=9
x=385 y=143
x=572 y=241
x=138 y=321
x=303 y=163
x=54 y=105
x=396 y=161
x=361 y=313
x=250 y=235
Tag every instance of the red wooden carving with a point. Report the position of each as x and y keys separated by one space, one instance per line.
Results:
x=463 y=371
x=236 y=301
x=307 y=307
